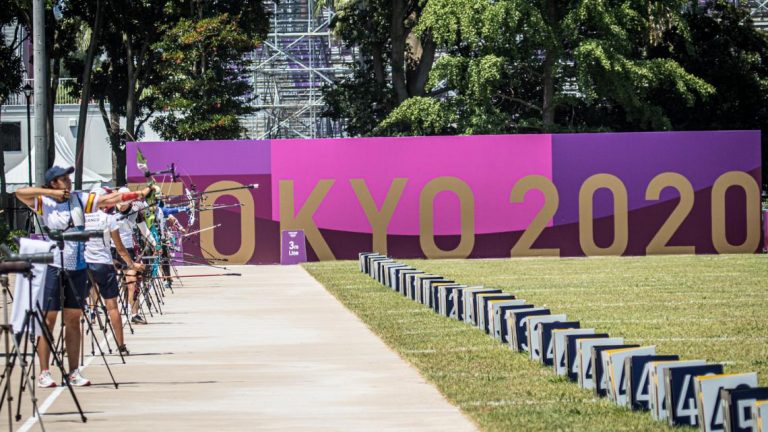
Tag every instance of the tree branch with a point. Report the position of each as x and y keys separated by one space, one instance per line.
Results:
x=522 y=102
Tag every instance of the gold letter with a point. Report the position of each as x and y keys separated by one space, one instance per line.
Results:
x=303 y=219
x=659 y=243
x=547 y=212
x=427 y=221
x=620 y=216
x=247 y=224
x=379 y=219
x=752 y=191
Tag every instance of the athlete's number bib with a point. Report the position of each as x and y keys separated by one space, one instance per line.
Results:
x=96 y=221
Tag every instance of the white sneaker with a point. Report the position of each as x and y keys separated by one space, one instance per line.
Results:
x=78 y=380
x=46 y=380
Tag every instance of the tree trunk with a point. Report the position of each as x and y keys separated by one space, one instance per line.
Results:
x=378 y=65
x=120 y=165
x=3 y=199
x=2 y=157
x=112 y=124
x=130 y=100
x=424 y=57
x=548 y=111
x=85 y=97
x=550 y=59
x=51 y=104
x=397 y=57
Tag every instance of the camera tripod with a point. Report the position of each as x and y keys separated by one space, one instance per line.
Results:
x=33 y=320
x=10 y=350
x=106 y=326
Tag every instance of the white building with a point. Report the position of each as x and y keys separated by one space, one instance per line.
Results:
x=15 y=140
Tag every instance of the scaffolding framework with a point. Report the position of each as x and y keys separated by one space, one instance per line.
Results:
x=299 y=57
x=759 y=12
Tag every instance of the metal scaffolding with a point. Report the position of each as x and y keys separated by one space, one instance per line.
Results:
x=759 y=12
x=299 y=57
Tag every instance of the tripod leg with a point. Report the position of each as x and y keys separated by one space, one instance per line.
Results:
x=108 y=327
x=147 y=298
x=59 y=345
x=128 y=313
x=7 y=372
x=26 y=377
x=124 y=307
x=176 y=273
x=98 y=303
x=103 y=357
x=58 y=361
x=26 y=370
x=159 y=300
x=90 y=328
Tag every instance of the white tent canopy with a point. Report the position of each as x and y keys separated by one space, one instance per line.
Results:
x=17 y=176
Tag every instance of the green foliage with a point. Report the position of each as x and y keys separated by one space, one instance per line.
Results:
x=10 y=64
x=8 y=236
x=598 y=54
x=509 y=66
x=394 y=61
x=205 y=89
x=726 y=52
x=417 y=116
x=360 y=101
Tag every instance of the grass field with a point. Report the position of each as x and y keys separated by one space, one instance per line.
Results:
x=708 y=307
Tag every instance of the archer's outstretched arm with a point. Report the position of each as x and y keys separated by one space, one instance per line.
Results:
x=114 y=198
x=27 y=195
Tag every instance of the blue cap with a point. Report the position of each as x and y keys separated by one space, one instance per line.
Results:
x=57 y=171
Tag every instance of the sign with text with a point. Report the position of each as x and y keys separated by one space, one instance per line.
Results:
x=293 y=247
x=474 y=196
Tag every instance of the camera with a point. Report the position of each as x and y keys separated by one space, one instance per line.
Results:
x=21 y=263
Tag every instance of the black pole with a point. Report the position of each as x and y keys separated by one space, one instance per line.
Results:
x=29 y=139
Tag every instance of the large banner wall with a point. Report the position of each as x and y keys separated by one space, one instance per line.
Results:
x=474 y=196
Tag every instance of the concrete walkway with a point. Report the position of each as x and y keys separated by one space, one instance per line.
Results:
x=270 y=350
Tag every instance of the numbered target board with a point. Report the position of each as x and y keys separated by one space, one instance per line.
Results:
x=739 y=407
x=708 y=389
x=475 y=196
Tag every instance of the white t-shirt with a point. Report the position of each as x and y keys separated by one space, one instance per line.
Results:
x=57 y=216
x=128 y=223
x=97 y=251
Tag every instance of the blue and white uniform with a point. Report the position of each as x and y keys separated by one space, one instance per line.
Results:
x=66 y=216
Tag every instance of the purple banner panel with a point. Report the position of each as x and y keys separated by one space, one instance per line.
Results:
x=293 y=248
x=469 y=196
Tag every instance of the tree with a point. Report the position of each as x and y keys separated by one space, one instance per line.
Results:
x=724 y=49
x=124 y=70
x=61 y=41
x=128 y=71
x=395 y=60
x=204 y=61
x=555 y=65
x=10 y=83
x=91 y=13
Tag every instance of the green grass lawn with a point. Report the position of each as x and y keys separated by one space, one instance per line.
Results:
x=708 y=307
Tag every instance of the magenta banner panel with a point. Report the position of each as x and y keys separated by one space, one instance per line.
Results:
x=473 y=196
